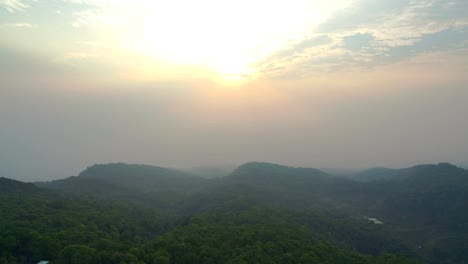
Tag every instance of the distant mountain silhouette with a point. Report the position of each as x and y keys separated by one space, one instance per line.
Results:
x=9 y=185
x=297 y=187
x=379 y=173
x=271 y=170
x=274 y=175
x=425 y=192
x=209 y=172
x=121 y=178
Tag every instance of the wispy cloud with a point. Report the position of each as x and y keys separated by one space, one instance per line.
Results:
x=93 y=44
x=88 y=2
x=368 y=34
x=19 y=25
x=79 y=56
x=92 y=17
x=13 y=5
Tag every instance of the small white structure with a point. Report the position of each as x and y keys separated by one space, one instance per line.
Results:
x=43 y=262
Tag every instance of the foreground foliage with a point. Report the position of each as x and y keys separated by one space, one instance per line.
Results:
x=38 y=225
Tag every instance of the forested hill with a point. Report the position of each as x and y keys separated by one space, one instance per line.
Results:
x=9 y=185
x=429 y=195
x=295 y=187
x=266 y=171
x=427 y=170
x=125 y=178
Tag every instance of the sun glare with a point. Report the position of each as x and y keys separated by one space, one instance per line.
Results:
x=216 y=38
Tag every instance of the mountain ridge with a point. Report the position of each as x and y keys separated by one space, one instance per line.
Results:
x=383 y=173
x=122 y=177
x=11 y=185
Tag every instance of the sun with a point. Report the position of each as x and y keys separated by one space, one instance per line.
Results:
x=208 y=42
x=227 y=62
x=219 y=39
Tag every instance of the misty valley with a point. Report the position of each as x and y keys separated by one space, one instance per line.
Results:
x=258 y=213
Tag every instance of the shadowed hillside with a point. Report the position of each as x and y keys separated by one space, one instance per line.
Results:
x=9 y=185
x=125 y=178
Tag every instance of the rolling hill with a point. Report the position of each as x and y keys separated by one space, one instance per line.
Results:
x=120 y=178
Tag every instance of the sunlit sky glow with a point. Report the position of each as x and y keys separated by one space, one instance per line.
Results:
x=230 y=40
x=213 y=39
x=188 y=83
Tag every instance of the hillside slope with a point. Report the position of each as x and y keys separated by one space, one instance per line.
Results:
x=125 y=178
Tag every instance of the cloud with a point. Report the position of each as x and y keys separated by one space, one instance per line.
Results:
x=357 y=41
x=89 y=2
x=79 y=56
x=13 y=5
x=370 y=33
x=279 y=60
x=92 y=18
x=94 y=44
x=19 y=25
x=360 y=13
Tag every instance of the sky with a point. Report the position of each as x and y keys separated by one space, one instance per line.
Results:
x=327 y=84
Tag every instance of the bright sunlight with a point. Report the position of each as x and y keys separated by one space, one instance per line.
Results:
x=220 y=42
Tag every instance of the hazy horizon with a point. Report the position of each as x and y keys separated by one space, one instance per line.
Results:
x=344 y=84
